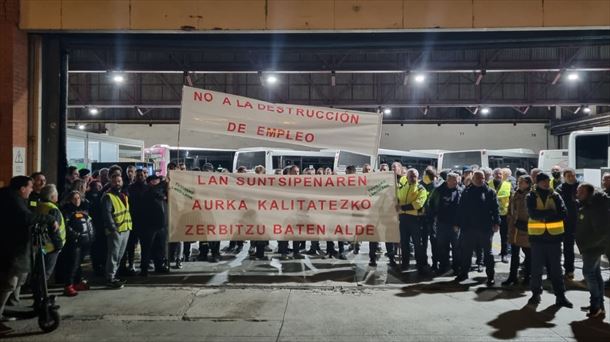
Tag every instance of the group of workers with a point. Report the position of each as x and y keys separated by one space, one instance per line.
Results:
x=107 y=213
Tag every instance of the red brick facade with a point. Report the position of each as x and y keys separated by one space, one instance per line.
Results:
x=13 y=87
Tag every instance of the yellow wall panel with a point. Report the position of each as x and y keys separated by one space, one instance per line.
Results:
x=40 y=14
x=163 y=14
x=438 y=13
x=95 y=14
x=576 y=13
x=372 y=14
x=507 y=13
x=232 y=14
x=300 y=14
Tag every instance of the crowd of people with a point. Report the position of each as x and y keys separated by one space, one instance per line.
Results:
x=106 y=214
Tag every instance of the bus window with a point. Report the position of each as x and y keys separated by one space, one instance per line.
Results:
x=592 y=151
x=458 y=160
x=317 y=162
x=250 y=159
x=348 y=158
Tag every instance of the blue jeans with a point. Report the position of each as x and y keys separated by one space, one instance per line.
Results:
x=593 y=275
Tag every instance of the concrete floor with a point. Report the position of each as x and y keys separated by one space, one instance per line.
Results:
x=313 y=300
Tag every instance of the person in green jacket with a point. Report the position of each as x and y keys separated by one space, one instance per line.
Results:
x=592 y=236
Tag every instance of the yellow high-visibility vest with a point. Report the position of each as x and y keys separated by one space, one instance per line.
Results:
x=414 y=194
x=503 y=195
x=535 y=227
x=121 y=215
x=45 y=208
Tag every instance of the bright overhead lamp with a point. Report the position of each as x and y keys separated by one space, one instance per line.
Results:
x=271 y=79
x=387 y=111
x=82 y=126
x=485 y=110
x=586 y=109
x=118 y=78
x=93 y=111
x=573 y=76
x=420 y=78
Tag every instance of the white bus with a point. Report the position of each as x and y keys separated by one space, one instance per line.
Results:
x=192 y=157
x=549 y=158
x=410 y=159
x=511 y=158
x=275 y=158
x=589 y=149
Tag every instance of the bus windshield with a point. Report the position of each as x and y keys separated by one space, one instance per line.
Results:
x=592 y=151
x=459 y=160
x=250 y=159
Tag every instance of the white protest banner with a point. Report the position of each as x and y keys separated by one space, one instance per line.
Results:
x=205 y=111
x=214 y=206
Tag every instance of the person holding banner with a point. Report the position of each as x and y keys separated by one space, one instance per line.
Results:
x=208 y=246
x=259 y=246
x=293 y=170
x=411 y=200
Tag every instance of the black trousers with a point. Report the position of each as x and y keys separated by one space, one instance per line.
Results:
x=389 y=246
x=282 y=247
x=568 y=247
x=130 y=251
x=330 y=246
x=515 y=260
x=154 y=246
x=232 y=244
x=468 y=242
x=99 y=250
x=73 y=254
x=260 y=248
x=447 y=240
x=206 y=247
x=410 y=230
x=549 y=255
x=429 y=234
x=504 y=250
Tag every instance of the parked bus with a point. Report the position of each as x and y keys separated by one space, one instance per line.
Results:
x=84 y=148
x=549 y=158
x=511 y=158
x=410 y=159
x=589 y=149
x=192 y=157
x=272 y=159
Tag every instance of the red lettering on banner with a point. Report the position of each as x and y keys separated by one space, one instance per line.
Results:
x=196 y=205
x=226 y=101
x=212 y=180
x=260 y=106
x=211 y=229
x=277 y=229
x=189 y=229
x=199 y=96
x=246 y=104
x=235 y=127
x=222 y=229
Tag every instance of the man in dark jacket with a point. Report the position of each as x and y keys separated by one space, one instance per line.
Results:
x=592 y=235
x=139 y=212
x=442 y=208
x=567 y=191
x=154 y=226
x=430 y=182
x=478 y=220
x=606 y=188
x=545 y=230
x=16 y=242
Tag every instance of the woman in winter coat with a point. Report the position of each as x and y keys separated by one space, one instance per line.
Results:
x=79 y=235
x=517 y=231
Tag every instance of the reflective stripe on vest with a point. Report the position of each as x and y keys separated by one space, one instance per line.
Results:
x=120 y=213
x=535 y=227
x=45 y=208
x=503 y=195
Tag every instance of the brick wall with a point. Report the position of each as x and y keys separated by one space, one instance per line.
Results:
x=13 y=87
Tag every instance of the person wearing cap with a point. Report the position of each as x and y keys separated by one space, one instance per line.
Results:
x=85 y=175
x=545 y=229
